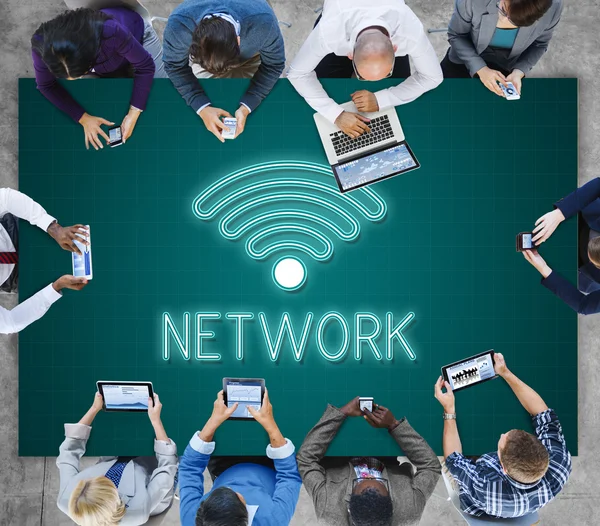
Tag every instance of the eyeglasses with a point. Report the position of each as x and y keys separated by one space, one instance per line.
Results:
x=366 y=80
x=501 y=10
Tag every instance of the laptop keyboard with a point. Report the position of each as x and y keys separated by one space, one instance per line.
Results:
x=381 y=130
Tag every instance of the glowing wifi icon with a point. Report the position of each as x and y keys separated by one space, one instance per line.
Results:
x=286 y=209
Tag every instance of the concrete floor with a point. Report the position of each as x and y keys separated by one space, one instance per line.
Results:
x=28 y=486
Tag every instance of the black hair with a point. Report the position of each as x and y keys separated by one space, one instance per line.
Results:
x=370 y=508
x=69 y=43
x=594 y=250
x=523 y=13
x=215 y=46
x=222 y=508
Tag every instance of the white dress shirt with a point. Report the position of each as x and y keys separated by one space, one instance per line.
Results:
x=19 y=205
x=336 y=32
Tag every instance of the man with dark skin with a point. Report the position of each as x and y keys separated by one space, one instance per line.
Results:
x=363 y=491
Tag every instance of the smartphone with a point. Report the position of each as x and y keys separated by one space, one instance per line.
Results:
x=231 y=123
x=246 y=392
x=82 y=264
x=115 y=136
x=525 y=241
x=365 y=402
x=470 y=371
x=510 y=92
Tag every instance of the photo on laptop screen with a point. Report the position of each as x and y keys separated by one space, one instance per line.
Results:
x=125 y=396
x=470 y=371
x=375 y=167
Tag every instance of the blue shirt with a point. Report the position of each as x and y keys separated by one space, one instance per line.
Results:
x=484 y=488
x=504 y=38
x=275 y=492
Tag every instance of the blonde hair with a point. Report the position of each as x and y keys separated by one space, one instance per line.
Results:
x=96 y=502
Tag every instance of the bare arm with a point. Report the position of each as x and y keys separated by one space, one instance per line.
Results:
x=530 y=400
x=451 y=439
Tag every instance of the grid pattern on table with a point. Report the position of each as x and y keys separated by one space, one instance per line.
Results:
x=445 y=251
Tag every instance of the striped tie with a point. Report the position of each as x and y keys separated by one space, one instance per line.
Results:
x=8 y=258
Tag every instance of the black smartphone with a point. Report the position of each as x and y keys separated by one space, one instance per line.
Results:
x=525 y=241
x=115 y=136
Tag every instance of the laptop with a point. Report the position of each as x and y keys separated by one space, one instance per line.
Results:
x=370 y=158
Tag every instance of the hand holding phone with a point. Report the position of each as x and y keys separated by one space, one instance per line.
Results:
x=525 y=241
x=381 y=417
x=231 y=124
x=510 y=92
x=352 y=408
x=115 y=136
x=365 y=402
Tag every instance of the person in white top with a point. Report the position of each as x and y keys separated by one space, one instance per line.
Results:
x=374 y=39
x=19 y=205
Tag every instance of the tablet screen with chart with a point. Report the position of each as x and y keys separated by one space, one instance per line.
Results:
x=125 y=396
x=246 y=393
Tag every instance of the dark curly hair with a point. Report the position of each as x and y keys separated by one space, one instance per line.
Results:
x=222 y=508
x=215 y=46
x=69 y=43
x=369 y=508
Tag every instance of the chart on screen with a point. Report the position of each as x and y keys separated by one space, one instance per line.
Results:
x=243 y=393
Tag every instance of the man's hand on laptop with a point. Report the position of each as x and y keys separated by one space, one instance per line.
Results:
x=365 y=101
x=352 y=124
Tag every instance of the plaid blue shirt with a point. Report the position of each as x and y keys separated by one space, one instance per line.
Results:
x=484 y=488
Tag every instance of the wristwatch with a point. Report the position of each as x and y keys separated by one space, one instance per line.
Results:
x=449 y=416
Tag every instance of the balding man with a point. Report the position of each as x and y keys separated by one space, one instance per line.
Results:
x=372 y=40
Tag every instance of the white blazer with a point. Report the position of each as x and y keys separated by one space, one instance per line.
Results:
x=146 y=486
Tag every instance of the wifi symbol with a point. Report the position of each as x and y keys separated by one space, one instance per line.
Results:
x=286 y=208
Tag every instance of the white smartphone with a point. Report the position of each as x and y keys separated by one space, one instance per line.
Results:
x=82 y=264
x=510 y=92
x=231 y=123
x=365 y=402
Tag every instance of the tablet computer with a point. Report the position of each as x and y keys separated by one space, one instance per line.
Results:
x=375 y=166
x=470 y=371
x=125 y=396
x=245 y=392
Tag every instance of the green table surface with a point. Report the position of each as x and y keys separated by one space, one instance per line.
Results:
x=445 y=251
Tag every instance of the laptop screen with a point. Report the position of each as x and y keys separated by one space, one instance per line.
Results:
x=374 y=167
